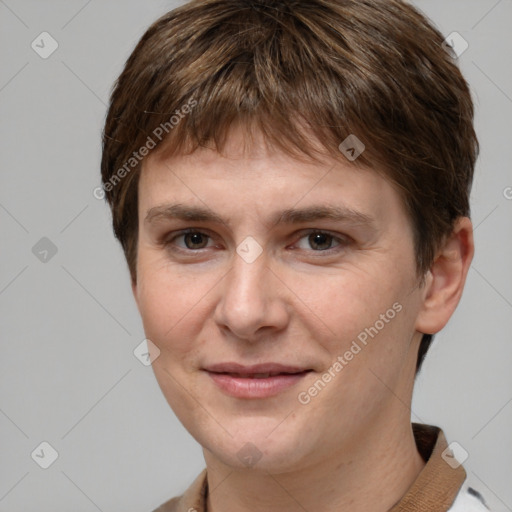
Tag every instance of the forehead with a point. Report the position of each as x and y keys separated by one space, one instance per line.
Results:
x=269 y=183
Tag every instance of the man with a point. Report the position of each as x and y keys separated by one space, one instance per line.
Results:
x=290 y=184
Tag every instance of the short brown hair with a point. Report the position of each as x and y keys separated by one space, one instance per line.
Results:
x=373 y=68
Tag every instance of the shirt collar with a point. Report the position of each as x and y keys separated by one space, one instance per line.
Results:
x=436 y=487
x=434 y=490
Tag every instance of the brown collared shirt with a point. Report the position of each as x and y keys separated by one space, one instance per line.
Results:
x=438 y=488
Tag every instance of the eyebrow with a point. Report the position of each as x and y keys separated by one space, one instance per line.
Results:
x=288 y=216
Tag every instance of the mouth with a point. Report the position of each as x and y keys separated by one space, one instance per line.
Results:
x=270 y=368
x=258 y=375
x=256 y=384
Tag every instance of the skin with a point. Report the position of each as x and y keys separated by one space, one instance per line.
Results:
x=299 y=303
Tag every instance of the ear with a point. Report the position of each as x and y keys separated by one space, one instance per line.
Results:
x=446 y=278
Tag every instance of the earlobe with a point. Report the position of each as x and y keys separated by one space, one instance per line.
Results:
x=447 y=276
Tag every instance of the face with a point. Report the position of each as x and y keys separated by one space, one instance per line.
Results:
x=257 y=259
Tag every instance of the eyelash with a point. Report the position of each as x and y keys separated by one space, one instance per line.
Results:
x=343 y=240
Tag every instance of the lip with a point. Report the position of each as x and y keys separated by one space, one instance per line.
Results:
x=231 y=367
x=238 y=381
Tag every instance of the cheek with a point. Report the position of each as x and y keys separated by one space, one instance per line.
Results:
x=354 y=307
x=170 y=307
x=171 y=311
x=345 y=301
x=368 y=348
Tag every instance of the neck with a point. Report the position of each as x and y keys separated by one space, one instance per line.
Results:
x=372 y=472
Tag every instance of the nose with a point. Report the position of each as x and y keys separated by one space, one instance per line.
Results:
x=253 y=302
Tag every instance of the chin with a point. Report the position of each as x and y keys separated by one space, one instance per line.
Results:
x=257 y=446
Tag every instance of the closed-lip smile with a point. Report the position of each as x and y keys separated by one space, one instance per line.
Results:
x=255 y=381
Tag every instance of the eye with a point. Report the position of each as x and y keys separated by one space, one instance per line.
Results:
x=322 y=241
x=192 y=240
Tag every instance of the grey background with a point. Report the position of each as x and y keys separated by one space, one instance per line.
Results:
x=69 y=325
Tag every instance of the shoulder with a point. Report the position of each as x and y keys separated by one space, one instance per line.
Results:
x=192 y=500
x=469 y=500
x=169 y=506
